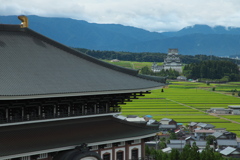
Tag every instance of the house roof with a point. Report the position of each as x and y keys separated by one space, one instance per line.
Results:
x=137 y=119
x=192 y=124
x=201 y=124
x=199 y=143
x=67 y=134
x=176 y=146
x=177 y=141
x=34 y=66
x=234 y=106
x=217 y=134
x=166 y=119
x=190 y=138
x=209 y=126
x=227 y=151
x=167 y=126
x=168 y=149
x=227 y=142
x=148 y=116
x=204 y=131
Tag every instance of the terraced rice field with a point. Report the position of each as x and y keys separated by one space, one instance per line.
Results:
x=187 y=102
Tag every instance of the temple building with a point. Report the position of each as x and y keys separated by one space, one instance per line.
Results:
x=172 y=61
x=57 y=103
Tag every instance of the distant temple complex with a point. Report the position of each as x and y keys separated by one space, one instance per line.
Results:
x=171 y=61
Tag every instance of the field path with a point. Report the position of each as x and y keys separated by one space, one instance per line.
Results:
x=185 y=105
x=211 y=114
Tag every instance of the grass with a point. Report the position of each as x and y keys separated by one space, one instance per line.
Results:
x=187 y=102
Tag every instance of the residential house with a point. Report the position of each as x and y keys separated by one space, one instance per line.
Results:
x=224 y=143
x=230 y=152
x=201 y=144
x=224 y=135
x=235 y=109
x=168 y=121
x=168 y=128
x=177 y=144
x=202 y=134
x=205 y=126
x=192 y=126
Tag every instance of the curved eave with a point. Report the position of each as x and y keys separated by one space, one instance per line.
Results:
x=19 y=97
x=74 y=146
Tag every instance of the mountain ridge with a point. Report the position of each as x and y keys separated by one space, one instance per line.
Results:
x=191 y=40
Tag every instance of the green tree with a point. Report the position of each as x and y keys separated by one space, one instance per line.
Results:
x=147 y=151
x=212 y=69
x=174 y=155
x=173 y=135
x=162 y=145
x=210 y=139
x=163 y=139
x=185 y=154
x=194 y=154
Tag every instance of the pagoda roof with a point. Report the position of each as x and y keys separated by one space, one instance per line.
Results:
x=34 y=66
x=37 y=138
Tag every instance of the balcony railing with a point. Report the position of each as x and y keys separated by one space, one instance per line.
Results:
x=27 y=117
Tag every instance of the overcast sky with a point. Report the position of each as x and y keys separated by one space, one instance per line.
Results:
x=152 y=15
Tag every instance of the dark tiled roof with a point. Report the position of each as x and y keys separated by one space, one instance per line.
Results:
x=43 y=136
x=32 y=64
x=227 y=142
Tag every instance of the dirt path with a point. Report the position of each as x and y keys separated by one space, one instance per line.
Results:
x=216 y=115
x=211 y=114
x=186 y=105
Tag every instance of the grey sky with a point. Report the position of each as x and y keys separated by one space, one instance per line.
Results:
x=152 y=15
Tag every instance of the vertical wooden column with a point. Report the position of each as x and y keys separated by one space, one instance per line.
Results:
x=113 y=152
x=95 y=108
x=83 y=109
x=22 y=113
x=127 y=150
x=107 y=106
x=7 y=114
x=54 y=110
x=142 y=149
x=69 y=110
x=39 y=111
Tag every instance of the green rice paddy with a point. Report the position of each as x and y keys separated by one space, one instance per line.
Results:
x=187 y=102
x=132 y=64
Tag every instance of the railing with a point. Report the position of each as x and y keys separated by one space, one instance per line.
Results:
x=13 y=119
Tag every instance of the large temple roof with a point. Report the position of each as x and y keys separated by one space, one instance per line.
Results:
x=34 y=66
x=55 y=136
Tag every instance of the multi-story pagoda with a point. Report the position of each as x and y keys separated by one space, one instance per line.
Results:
x=172 y=61
x=57 y=103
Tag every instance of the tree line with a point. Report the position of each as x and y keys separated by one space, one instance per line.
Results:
x=214 y=70
x=169 y=73
x=148 y=56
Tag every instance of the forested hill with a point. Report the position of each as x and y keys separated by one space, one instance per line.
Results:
x=197 y=39
x=150 y=57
